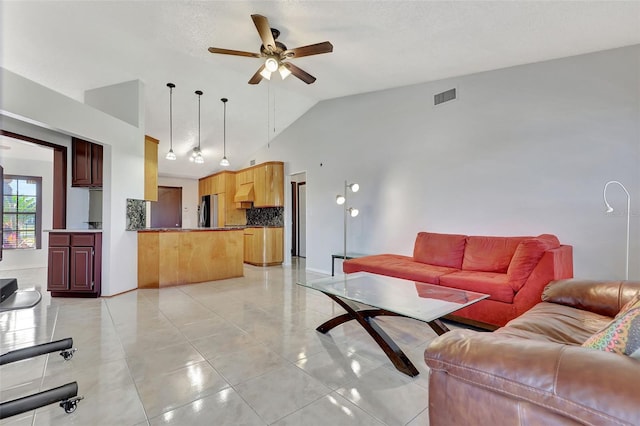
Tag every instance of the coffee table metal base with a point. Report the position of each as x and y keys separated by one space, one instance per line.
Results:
x=364 y=318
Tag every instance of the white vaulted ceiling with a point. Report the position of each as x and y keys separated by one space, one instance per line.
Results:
x=74 y=46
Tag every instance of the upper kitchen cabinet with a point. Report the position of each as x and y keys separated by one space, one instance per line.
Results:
x=86 y=164
x=150 y=168
x=268 y=183
x=244 y=176
x=223 y=184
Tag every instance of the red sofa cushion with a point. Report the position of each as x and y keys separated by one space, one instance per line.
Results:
x=439 y=249
x=489 y=254
x=527 y=256
x=491 y=283
x=395 y=265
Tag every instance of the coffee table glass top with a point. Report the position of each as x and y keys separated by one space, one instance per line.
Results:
x=424 y=302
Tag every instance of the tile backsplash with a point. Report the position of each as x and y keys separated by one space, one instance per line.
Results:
x=136 y=214
x=265 y=216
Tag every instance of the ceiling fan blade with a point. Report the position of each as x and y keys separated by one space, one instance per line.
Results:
x=257 y=77
x=300 y=73
x=262 y=25
x=312 y=49
x=233 y=52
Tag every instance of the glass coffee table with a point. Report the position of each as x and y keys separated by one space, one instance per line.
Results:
x=392 y=297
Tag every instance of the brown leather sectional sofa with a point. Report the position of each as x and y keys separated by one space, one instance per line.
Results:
x=534 y=371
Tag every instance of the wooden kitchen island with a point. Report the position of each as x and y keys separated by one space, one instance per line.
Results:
x=175 y=256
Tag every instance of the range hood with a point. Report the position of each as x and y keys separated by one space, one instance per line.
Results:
x=244 y=193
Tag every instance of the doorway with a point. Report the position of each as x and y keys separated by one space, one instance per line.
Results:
x=167 y=211
x=299 y=215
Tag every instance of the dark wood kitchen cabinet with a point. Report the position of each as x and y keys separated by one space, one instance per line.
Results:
x=75 y=264
x=86 y=164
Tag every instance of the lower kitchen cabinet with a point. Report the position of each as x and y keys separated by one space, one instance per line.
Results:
x=263 y=246
x=75 y=264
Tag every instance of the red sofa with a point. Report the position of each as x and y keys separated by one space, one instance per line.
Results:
x=513 y=271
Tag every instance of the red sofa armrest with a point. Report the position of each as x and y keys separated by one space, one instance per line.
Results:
x=555 y=264
x=600 y=297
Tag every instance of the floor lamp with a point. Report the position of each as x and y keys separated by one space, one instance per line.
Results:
x=348 y=211
x=610 y=209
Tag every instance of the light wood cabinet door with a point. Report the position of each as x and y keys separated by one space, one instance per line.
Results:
x=150 y=168
x=268 y=183
x=263 y=246
x=260 y=186
x=214 y=187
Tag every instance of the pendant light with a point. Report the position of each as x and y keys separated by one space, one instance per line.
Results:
x=196 y=156
x=224 y=162
x=170 y=155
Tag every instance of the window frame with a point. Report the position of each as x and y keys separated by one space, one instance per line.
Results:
x=38 y=212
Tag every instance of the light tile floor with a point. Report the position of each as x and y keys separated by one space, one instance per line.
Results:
x=241 y=351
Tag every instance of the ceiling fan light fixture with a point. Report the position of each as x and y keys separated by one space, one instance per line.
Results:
x=284 y=71
x=266 y=74
x=271 y=64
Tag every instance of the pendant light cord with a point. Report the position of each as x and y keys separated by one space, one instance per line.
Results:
x=224 y=130
x=199 y=94
x=171 y=116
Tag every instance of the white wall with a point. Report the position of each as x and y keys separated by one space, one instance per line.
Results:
x=522 y=151
x=21 y=259
x=189 y=198
x=123 y=166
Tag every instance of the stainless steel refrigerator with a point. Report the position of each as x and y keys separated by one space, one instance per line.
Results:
x=208 y=211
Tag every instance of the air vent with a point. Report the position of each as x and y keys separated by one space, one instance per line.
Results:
x=449 y=95
x=252 y=163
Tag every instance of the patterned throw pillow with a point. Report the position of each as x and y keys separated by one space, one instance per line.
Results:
x=633 y=303
x=620 y=336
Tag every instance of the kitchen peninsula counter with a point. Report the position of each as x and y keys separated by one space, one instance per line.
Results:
x=175 y=256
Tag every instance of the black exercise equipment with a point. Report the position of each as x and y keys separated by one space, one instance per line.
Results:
x=10 y=299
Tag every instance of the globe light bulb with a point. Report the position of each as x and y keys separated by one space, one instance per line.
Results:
x=271 y=64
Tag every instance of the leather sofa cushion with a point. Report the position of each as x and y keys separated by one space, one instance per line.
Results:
x=439 y=249
x=489 y=254
x=395 y=265
x=551 y=322
x=491 y=283
x=526 y=257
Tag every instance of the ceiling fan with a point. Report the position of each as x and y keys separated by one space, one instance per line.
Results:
x=276 y=54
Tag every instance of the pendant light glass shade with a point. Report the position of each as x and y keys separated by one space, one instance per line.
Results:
x=224 y=162
x=196 y=156
x=170 y=155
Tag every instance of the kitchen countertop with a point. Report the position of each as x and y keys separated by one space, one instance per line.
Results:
x=67 y=231
x=226 y=228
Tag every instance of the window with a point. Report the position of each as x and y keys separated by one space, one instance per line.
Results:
x=22 y=211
